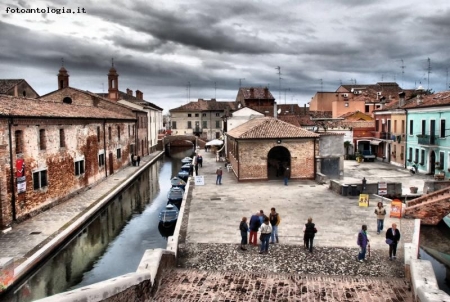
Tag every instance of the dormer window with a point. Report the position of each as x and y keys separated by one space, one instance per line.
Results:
x=67 y=100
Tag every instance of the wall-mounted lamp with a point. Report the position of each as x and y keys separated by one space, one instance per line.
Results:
x=278 y=141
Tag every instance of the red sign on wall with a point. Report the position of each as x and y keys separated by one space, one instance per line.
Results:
x=20 y=175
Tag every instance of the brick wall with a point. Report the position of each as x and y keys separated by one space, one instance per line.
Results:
x=253 y=158
x=81 y=147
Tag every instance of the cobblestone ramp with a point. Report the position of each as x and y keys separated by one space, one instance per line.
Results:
x=196 y=285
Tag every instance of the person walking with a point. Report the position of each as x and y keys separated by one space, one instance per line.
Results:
x=362 y=242
x=200 y=160
x=243 y=227
x=275 y=220
x=392 y=238
x=287 y=175
x=266 y=230
x=262 y=216
x=196 y=168
x=380 y=211
x=133 y=162
x=310 y=232
x=254 y=226
x=219 y=176
x=138 y=160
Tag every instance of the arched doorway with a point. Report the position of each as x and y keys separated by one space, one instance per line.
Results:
x=432 y=162
x=278 y=159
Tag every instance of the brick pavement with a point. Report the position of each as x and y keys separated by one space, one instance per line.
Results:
x=27 y=237
x=196 y=285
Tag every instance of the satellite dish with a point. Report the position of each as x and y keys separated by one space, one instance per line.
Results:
x=239 y=105
x=315 y=128
x=279 y=111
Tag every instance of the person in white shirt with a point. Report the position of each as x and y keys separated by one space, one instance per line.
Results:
x=266 y=230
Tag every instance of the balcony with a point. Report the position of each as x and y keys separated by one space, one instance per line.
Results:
x=425 y=139
x=197 y=130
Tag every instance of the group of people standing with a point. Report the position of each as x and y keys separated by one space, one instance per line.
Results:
x=267 y=225
x=392 y=235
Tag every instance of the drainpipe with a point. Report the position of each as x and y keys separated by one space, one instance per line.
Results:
x=239 y=160
x=13 y=193
x=315 y=162
x=104 y=148
x=406 y=137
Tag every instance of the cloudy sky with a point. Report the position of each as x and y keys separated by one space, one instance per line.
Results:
x=162 y=47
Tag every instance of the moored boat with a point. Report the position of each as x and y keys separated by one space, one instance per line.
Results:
x=175 y=194
x=183 y=175
x=178 y=182
x=168 y=217
x=186 y=160
x=186 y=167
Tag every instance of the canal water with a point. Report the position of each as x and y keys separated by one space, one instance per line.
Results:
x=113 y=242
x=435 y=246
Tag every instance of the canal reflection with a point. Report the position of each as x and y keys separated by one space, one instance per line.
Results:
x=435 y=247
x=112 y=243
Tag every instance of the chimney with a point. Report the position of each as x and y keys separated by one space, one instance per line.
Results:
x=419 y=91
x=401 y=99
x=266 y=93
x=129 y=92
x=252 y=93
x=139 y=95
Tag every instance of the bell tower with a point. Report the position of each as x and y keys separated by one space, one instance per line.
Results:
x=63 y=77
x=113 y=83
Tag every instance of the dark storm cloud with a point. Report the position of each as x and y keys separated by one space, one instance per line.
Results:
x=190 y=28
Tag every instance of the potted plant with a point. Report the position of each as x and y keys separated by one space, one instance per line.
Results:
x=413 y=189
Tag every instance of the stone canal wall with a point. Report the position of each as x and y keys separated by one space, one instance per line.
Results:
x=420 y=273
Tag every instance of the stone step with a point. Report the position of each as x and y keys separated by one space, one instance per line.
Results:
x=198 y=285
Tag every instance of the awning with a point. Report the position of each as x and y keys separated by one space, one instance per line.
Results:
x=375 y=143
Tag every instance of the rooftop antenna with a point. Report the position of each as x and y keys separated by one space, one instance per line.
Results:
x=62 y=62
x=321 y=85
x=279 y=81
x=103 y=88
x=112 y=62
x=447 y=85
x=429 y=71
x=188 y=90
x=240 y=82
x=215 y=90
x=403 y=70
x=353 y=81
x=286 y=89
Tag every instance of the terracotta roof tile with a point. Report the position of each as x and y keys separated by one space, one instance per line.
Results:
x=131 y=98
x=330 y=133
x=299 y=121
x=205 y=105
x=258 y=93
x=356 y=115
x=431 y=100
x=269 y=127
x=14 y=106
x=7 y=84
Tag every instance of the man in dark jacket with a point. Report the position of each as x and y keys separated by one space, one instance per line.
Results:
x=310 y=232
x=255 y=223
x=287 y=175
x=393 y=234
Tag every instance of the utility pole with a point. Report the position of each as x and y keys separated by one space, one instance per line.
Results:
x=321 y=85
x=429 y=71
x=240 y=82
x=279 y=81
x=215 y=90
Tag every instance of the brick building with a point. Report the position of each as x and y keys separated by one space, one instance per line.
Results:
x=70 y=95
x=257 y=98
x=18 y=88
x=56 y=145
x=257 y=149
x=153 y=123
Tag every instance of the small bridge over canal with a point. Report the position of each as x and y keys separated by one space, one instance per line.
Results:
x=430 y=208
x=178 y=139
